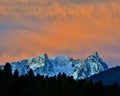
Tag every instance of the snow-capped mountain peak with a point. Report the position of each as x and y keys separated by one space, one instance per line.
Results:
x=94 y=56
x=90 y=66
x=46 y=66
x=38 y=62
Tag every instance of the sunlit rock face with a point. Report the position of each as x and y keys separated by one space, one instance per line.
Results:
x=46 y=66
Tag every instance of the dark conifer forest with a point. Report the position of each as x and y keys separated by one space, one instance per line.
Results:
x=30 y=85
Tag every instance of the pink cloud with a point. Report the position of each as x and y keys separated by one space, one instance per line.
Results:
x=74 y=29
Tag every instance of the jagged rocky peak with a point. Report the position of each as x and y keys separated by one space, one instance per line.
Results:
x=96 y=54
x=38 y=62
x=90 y=66
x=46 y=66
x=59 y=59
x=93 y=56
x=96 y=58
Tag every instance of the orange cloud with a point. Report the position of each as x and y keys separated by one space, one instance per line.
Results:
x=76 y=29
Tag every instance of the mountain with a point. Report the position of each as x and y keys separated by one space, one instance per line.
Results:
x=108 y=77
x=92 y=65
x=46 y=66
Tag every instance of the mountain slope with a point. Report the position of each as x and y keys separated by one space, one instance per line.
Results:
x=46 y=66
x=92 y=65
x=108 y=77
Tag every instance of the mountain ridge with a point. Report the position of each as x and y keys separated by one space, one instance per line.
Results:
x=46 y=66
x=108 y=77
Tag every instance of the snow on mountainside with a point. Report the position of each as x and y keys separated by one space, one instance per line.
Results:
x=91 y=66
x=61 y=64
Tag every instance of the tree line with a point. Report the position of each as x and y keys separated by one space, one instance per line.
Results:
x=30 y=85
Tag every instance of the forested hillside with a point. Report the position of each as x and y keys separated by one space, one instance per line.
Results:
x=30 y=85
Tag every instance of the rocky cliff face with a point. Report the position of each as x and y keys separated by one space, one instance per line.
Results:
x=46 y=66
x=91 y=66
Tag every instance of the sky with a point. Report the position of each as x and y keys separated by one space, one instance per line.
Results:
x=76 y=28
